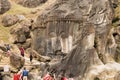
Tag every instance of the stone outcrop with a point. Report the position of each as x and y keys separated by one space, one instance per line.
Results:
x=38 y=56
x=77 y=27
x=38 y=39
x=31 y=3
x=17 y=61
x=4 y=6
x=27 y=44
x=21 y=34
x=9 y=20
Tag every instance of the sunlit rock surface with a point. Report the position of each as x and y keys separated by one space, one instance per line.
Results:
x=31 y=3
x=9 y=20
x=79 y=28
x=4 y=6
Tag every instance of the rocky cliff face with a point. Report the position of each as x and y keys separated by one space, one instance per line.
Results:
x=64 y=25
x=78 y=27
x=80 y=30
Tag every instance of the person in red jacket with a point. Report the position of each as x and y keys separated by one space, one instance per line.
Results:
x=15 y=77
x=22 y=51
x=64 y=78
x=19 y=75
x=49 y=76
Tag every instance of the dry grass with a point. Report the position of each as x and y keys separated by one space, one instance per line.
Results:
x=18 y=9
x=15 y=9
x=4 y=33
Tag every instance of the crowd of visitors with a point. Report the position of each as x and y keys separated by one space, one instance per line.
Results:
x=23 y=74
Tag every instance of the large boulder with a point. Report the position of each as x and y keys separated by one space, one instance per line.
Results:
x=21 y=32
x=9 y=20
x=31 y=3
x=3 y=48
x=38 y=56
x=27 y=44
x=4 y=6
x=17 y=61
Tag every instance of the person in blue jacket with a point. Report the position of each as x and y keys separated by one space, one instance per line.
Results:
x=25 y=74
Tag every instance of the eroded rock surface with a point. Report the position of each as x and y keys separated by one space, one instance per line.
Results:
x=31 y=3
x=4 y=6
x=21 y=33
x=17 y=61
x=9 y=20
x=77 y=27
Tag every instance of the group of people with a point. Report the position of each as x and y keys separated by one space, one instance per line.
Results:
x=22 y=52
x=61 y=76
x=21 y=49
x=24 y=76
x=51 y=77
x=21 y=75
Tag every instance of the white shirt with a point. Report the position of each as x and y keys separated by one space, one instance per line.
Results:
x=6 y=68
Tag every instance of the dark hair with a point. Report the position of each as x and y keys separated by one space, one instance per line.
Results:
x=61 y=79
x=24 y=68
x=70 y=75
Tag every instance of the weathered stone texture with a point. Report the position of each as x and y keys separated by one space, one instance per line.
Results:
x=22 y=32
x=4 y=6
x=81 y=27
x=31 y=3
x=9 y=20
x=17 y=61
